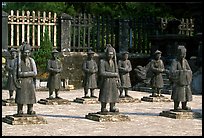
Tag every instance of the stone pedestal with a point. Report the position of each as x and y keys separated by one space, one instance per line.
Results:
x=181 y=114
x=156 y=99
x=87 y=100
x=128 y=100
x=107 y=117
x=24 y=119
x=54 y=101
x=8 y=102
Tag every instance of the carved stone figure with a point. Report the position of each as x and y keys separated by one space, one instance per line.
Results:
x=109 y=80
x=90 y=69
x=124 y=67
x=54 y=67
x=157 y=68
x=10 y=66
x=24 y=72
x=181 y=76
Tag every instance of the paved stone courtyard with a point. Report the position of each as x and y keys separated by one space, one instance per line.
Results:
x=69 y=120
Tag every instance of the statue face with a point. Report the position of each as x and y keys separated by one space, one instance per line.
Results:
x=110 y=55
x=125 y=56
x=157 y=56
x=90 y=56
x=54 y=55
x=26 y=53
x=182 y=54
x=13 y=54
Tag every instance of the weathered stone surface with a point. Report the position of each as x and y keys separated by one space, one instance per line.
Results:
x=107 y=117
x=24 y=119
x=156 y=99
x=89 y=100
x=8 y=102
x=54 y=101
x=129 y=100
x=182 y=114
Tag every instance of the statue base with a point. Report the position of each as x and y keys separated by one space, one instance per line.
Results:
x=86 y=100
x=24 y=119
x=54 y=101
x=181 y=114
x=107 y=117
x=8 y=102
x=156 y=99
x=128 y=100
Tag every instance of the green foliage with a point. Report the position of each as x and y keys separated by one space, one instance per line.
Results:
x=42 y=55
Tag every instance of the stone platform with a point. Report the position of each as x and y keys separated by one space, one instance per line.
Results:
x=156 y=99
x=107 y=117
x=181 y=114
x=8 y=102
x=128 y=100
x=87 y=100
x=24 y=119
x=54 y=101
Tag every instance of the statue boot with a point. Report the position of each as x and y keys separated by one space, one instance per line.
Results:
x=86 y=93
x=30 y=109
x=121 y=93
x=126 y=93
x=113 y=108
x=184 y=107
x=57 y=94
x=103 y=107
x=153 y=93
x=176 y=105
x=92 y=93
x=19 y=109
x=51 y=94
x=11 y=95
x=159 y=93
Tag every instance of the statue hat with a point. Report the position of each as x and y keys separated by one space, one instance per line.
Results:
x=13 y=50
x=157 y=52
x=54 y=51
x=25 y=46
x=124 y=52
x=90 y=52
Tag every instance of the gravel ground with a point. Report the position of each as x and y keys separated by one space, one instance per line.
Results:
x=69 y=120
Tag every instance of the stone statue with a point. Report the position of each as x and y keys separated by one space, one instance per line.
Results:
x=109 y=80
x=54 y=67
x=10 y=66
x=157 y=68
x=124 y=67
x=24 y=72
x=90 y=69
x=181 y=75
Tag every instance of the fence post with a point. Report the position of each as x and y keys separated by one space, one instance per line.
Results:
x=4 y=31
x=123 y=35
x=65 y=26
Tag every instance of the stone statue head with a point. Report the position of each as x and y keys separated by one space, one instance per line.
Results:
x=25 y=49
x=157 y=54
x=110 y=51
x=13 y=52
x=181 y=52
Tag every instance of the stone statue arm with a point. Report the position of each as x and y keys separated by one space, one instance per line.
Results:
x=50 y=69
x=157 y=70
x=32 y=73
x=129 y=67
x=60 y=67
x=95 y=68
x=84 y=68
x=121 y=68
x=106 y=74
x=8 y=66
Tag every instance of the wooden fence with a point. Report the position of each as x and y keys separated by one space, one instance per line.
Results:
x=87 y=31
x=31 y=27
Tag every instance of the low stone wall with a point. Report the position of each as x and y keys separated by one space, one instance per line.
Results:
x=72 y=66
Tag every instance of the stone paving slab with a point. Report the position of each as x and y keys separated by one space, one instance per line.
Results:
x=69 y=119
